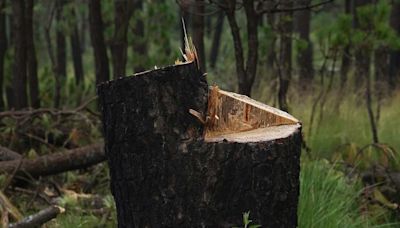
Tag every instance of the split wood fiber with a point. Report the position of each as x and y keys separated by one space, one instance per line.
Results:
x=165 y=174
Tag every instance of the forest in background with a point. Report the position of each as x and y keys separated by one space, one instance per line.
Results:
x=333 y=64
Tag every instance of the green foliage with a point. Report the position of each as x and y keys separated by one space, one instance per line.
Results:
x=329 y=199
x=247 y=221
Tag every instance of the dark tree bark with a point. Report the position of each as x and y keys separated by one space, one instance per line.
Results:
x=216 y=39
x=139 y=45
x=305 y=56
x=198 y=32
x=77 y=56
x=61 y=59
x=119 y=45
x=76 y=49
x=97 y=38
x=245 y=73
x=3 y=49
x=20 y=98
x=165 y=174
x=60 y=41
x=32 y=60
x=394 y=68
x=285 y=56
x=271 y=53
x=346 y=57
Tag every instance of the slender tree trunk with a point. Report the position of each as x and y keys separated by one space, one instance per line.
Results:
x=245 y=73
x=368 y=98
x=139 y=47
x=97 y=38
x=252 y=47
x=271 y=53
x=381 y=66
x=20 y=55
x=237 y=44
x=362 y=57
x=3 y=49
x=216 y=39
x=198 y=32
x=346 y=57
x=394 y=66
x=76 y=49
x=61 y=62
x=305 y=56
x=285 y=56
x=123 y=11
x=32 y=60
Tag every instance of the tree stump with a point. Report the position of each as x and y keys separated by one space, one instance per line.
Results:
x=180 y=157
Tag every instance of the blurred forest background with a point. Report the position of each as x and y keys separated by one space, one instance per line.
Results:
x=334 y=64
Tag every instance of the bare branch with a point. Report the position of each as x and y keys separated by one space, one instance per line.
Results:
x=281 y=10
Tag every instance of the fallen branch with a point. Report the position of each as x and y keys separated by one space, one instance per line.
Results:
x=58 y=162
x=40 y=218
x=7 y=154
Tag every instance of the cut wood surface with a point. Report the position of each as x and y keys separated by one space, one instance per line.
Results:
x=58 y=162
x=233 y=113
x=165 y=173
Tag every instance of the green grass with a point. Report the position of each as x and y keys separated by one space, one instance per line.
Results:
x=329 y=200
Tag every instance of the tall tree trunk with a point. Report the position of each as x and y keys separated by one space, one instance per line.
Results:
x=32 y=60
x=76 y=52
x=123 y=11
x=19 y=33
x=271 y=53
x=394 y=66
x=252 y=47
x=285 y=56
x=346 y=57
x=3 y=49
x=61 y=60
x=361 y=55
x=97 y=39
x=139 y=46
x=198 y=32
x=216 y=39
x=305 y=56
x=245 y=73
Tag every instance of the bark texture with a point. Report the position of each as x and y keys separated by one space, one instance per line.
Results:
x=97 y=38
x=163 y=172
x=394 y=68
x=32 y=60
x=76 y=49
x=20 y=96
x=305 y=55
x=3 y=49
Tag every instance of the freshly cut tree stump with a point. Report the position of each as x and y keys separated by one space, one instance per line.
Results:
x=181 y=155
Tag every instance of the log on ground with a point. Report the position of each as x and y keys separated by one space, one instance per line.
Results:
x=51 y=164
x=169 y=170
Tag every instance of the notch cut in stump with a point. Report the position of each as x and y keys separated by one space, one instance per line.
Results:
x=168 y=169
